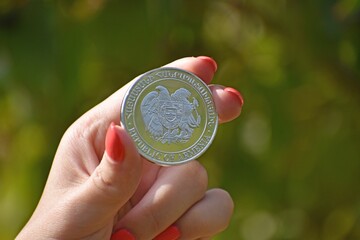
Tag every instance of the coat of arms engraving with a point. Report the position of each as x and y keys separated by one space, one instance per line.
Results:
x=170 y=118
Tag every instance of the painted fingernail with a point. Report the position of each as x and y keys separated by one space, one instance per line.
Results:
x=122 y=235
x=236 y=93
x=171 y=233
x=210 y=61
x=113 y=144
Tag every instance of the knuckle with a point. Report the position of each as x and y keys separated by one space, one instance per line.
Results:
x=153 y=221
x=198 y=176
x=227 y=208
x=85 y=128
x=104 y=186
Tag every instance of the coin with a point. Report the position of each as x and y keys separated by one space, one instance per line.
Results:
x=170 y=115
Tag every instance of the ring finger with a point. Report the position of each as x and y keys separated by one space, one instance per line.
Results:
x=207 y=217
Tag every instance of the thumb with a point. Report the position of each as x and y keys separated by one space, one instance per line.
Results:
x=117 y=176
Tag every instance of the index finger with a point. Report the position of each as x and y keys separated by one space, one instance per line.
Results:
x=96 y=121
x=203 y=67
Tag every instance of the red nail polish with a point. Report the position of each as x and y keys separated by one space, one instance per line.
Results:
x=209 y=60
x=113 y=145
x=235 y=93
x=122 y=235
x=171 y=233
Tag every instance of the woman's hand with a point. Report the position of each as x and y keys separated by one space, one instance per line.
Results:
x=100 y=188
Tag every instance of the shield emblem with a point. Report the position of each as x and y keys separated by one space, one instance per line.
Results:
x=170 y=114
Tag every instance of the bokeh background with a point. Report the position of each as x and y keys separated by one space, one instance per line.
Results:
x=291 y=161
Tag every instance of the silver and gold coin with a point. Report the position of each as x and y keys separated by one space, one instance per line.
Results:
x=170 y=115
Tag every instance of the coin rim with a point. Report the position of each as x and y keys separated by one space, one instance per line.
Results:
x=164 y=163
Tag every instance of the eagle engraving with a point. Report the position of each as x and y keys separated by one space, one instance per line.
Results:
x=170 y=118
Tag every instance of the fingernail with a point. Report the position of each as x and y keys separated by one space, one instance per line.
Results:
x=122 y=235
x=236 y=93
x=210 y=61
x=113 y=145
x=171 y=233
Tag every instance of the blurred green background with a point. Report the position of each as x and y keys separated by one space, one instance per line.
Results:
x=291 y=161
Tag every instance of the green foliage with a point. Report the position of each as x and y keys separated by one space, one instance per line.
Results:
x=291 y=161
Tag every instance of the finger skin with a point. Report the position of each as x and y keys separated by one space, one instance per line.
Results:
x=228 y=105
x=176 y=189
x=198 y=66
x=207 y=217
